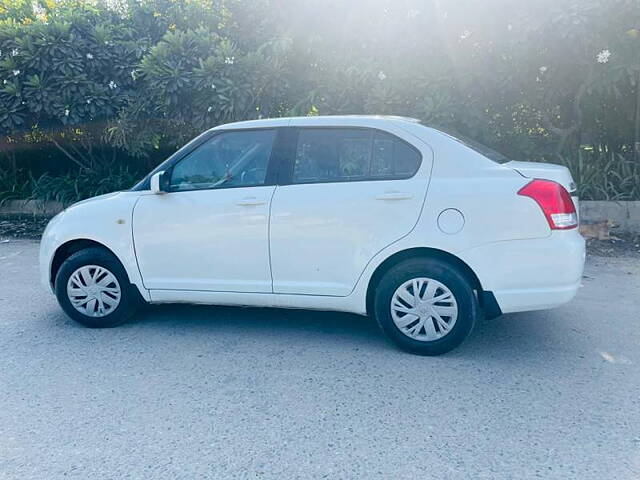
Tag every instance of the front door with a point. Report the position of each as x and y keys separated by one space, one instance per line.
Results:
x=210 y=232
x=351 y=193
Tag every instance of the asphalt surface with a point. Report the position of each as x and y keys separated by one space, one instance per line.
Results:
x=210 y=392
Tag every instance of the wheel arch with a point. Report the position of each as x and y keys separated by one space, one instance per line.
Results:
x=67 y=249
x=487 y=302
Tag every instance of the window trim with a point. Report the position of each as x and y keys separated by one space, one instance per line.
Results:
x=287 y=163
x=168 y=165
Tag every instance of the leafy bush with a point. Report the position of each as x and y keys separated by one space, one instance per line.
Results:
x=605 y=175
x=130 y=79
x=14 y=185
x=64 y=74
x=71 y=187
x=193 y=79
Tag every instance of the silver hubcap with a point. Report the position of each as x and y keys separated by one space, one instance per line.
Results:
x=424 y=309
x=93 y=291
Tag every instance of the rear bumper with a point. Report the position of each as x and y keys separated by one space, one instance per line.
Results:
x=524 y=300
x=532 y=274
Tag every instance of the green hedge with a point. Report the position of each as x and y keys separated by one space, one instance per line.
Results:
x=94 y=93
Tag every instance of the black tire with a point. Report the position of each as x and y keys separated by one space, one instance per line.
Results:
x=100 y=257
x=447 y=275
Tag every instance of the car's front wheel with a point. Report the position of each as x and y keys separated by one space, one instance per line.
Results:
x=425 y=306
x=92 y=287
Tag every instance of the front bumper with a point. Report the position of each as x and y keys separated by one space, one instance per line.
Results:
x=48 y=245
x=531 y=274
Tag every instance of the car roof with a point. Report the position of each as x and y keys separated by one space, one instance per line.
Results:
x=321 y=120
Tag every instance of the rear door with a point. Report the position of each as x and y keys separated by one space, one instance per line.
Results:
x=344 y=195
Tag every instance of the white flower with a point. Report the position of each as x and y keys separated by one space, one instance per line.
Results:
x=16 y=73
x=381 y=75
x=464 y=35
x=14 y=52
x=209 y=109
x=213 y=86
x=66 y=112
x=133 y=75
x=5 y=81
x=603 y=56
x=229 y=60
x=543 y=69
x=88 y=100
x=37 y=9
x=89 y=56
x=112 y=85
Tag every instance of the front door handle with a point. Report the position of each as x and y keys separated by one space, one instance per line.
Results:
x=394 y=196
x=250 y=202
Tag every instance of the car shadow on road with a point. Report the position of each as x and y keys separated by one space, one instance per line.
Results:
x=264 y=324
x=513 y=335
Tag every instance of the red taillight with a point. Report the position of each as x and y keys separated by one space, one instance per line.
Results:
x=555 y=202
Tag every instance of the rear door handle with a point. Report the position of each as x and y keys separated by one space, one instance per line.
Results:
x=394 y=196
x=250 y=202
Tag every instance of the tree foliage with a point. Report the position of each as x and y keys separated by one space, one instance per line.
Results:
x=133 y=79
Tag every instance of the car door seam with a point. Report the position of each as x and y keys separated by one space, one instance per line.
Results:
x=269 y=235
x=424 y=202
x=133 y=242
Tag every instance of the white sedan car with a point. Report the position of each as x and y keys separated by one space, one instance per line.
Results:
x=378 y=216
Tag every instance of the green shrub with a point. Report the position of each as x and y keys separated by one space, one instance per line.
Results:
x=193 y=80
x=72 y=187
x=129 y=79
x=605 y=175
x=14 y=185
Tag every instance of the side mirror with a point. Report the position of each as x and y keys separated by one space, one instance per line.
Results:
x=160 y=182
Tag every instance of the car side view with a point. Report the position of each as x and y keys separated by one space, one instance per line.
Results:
x=379 y=216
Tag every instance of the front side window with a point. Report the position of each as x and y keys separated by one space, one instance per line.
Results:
x=229 y=159
x=352 y=154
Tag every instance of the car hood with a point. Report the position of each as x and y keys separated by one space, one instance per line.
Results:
x=547 y=171
x=104 y=196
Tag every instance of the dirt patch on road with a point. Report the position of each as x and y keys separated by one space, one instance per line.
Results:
x=621 y=245
x=22 y=226
x=32 y=226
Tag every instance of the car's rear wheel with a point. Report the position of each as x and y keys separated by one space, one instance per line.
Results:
x=425 y=306
x=92 y=287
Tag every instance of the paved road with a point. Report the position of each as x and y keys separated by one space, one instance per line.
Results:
x=211 y=392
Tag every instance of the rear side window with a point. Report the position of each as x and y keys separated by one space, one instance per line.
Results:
x=352 y=154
